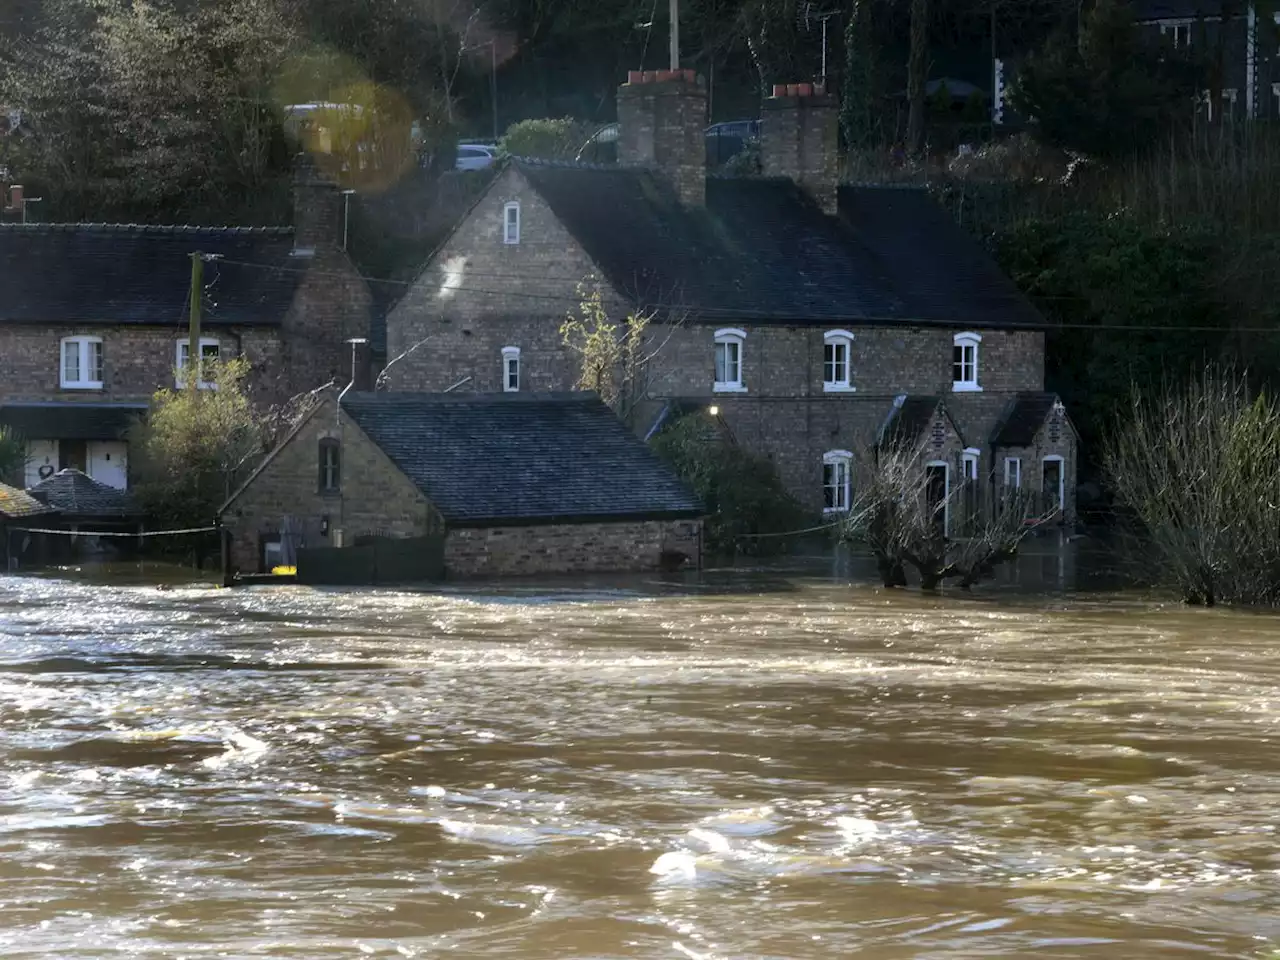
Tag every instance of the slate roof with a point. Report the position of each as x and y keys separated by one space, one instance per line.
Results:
x=1022 y=419
x=16 y=504
x=909 y=419
x=521 y=458
x=1144 y=10
x=125 y=273
x=70 y=421
x=78 y=495
x=761 y=250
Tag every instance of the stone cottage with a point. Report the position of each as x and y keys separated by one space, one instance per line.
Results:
x=94 y=320
x=514 y=483
x=804 y=310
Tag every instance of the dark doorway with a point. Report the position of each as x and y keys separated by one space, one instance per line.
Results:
x=73 y=455
x=936 y=491
x=1052 y=487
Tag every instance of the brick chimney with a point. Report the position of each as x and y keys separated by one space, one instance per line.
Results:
x=662 y=119
x=317 y=209
x=798 y=140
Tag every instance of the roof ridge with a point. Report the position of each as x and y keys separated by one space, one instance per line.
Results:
x=153 y=228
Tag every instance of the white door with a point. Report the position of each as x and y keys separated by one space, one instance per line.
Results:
x=42 y=460
x=109 y=462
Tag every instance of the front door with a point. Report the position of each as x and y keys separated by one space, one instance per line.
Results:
x=1052 y=486
x=73 y=455
x=936 y=490
x=109 y=462
x=42 y=460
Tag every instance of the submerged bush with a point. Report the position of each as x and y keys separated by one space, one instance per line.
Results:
x=1199 y=467
x=742 y=492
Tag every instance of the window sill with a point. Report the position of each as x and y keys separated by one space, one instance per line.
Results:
x=839 y=388
x=729 y=388
x=828 y=511
x=84 y=385
x=179 y=385
x=330 y=494
x=965 y=388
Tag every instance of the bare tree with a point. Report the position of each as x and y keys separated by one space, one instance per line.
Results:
x=895 y=515
x=917 y=74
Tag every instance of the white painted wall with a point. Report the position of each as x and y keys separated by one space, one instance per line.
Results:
x=109 y=462
x=42 y=460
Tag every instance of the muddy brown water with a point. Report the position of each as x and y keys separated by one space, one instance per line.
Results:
x=777 y=767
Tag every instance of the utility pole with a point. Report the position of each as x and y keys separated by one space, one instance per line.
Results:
x=675 y=34
x=193 y=331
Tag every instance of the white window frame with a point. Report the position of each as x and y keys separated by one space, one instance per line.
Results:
x=84 y=354
x=510 y=360
x=1181 y=31
x=844 y=501
x=1062 y=478
x=971 y=456
x=179 y=380
x=966 y=341
x=738 y=338
x=946 y=493
x=510 y=224
x=837 y=339
x=1013 y=469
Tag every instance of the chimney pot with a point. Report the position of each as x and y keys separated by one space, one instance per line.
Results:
x=635 y=76
x=779 y=89
x=805 y=89
x=690 y=76
x=648 y=77
x=820 y=89
x=793 y=89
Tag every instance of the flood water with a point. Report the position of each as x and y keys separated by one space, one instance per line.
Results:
x=785 y=767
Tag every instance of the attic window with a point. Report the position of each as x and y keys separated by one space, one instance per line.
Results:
x=964 y=363
x=511 y=223
x=729 y=344
x=511 y=369
x=837 y=361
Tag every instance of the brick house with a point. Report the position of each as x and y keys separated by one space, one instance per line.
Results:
x=803 y=310
x=94 y=319
x=514 y=483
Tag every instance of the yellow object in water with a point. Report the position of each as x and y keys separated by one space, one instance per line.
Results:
x=284 y=571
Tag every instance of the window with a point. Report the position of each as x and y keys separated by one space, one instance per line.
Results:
x=511 y=369
x=511 y=223
x=964 y=362
x=729 y=360
x=209 y=352
x=836 y=469
x=837 y=361
x=82 y=363
x=1178 y=31
x=1013 y=472
x=969 y=465
x=330 y=466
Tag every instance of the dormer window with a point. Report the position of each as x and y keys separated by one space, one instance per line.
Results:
x=511 y=369
x=837 y=361
x=511 y=223
x=964 y=363
x=729 y=344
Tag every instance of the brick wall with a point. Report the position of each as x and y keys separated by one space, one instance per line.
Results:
x=1056 y=437
x=798 y=139
x=479 y=294
x=376 y=497
x=136 y=362
x=661 y=124
x=567 y=548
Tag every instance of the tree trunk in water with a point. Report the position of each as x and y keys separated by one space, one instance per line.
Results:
x=917 y=74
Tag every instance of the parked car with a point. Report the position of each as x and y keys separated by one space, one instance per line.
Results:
x=475 y=156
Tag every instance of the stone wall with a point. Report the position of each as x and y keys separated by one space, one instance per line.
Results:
x=568 y=548
x=376 y=498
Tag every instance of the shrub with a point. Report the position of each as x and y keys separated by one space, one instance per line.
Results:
x=742 y=492
x=548 y=138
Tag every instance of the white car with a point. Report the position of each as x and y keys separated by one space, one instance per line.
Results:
x=475 y=156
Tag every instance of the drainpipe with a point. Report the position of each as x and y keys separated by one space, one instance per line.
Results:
x=346 y=220
x=342 y=452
